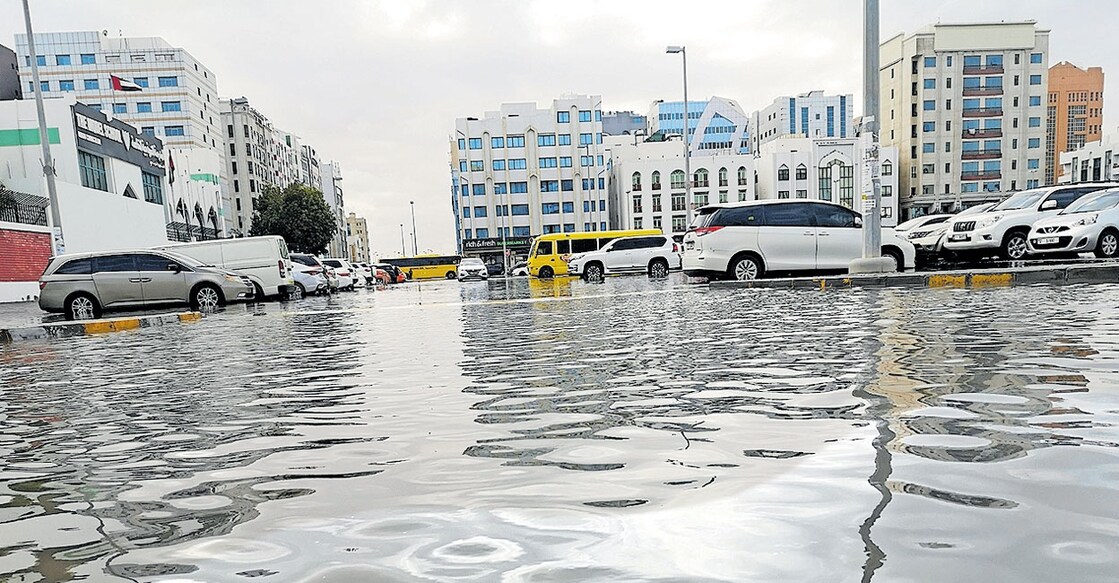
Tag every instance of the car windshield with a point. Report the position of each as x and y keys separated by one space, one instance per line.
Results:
x=1095 y=203
x=979 y=208
x=472 y=262
x=917 y=222
x=1024 y=199
x=333 y=263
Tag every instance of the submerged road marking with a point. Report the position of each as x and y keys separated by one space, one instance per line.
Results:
x=992 y=279
x=947 y=281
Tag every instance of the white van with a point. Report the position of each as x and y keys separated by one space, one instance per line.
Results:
x=264 y=260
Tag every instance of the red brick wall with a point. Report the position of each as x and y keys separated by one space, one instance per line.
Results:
x=23 y=255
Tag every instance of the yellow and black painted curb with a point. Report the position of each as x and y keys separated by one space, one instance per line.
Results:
x=93 y=327
x=971 y=279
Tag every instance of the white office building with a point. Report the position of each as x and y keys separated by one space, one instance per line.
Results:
x=331 y=187
x=1094 y=162
x=647 y=183
x=718 y=125
x=810 y=115
x=965 y=105
x=830 y=169
x=527 y=171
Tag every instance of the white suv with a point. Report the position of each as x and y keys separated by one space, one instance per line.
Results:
x=654 y=255
x=1004 y=228
x=745 y=240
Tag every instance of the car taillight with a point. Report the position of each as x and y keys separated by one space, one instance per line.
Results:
x=42 y=284
x=280 y=264
x=313 y=271
x=705 y=230
x=675 y=247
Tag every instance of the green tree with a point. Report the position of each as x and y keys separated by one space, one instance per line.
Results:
x=297 y=213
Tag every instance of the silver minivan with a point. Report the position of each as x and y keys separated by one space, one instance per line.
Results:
x=83 y=285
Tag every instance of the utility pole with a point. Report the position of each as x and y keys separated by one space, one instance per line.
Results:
x=415 y=245
x=54 y=218
x=403 y=250
x=687 y=137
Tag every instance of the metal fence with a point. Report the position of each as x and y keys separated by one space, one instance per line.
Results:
x=184 y=233
x=19 y=207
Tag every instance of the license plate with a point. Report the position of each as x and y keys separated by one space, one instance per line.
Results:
x=958 y=238
x=1046 y=241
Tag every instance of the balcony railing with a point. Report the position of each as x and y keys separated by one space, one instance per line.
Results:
x=980 y=175
x=981 y=134
x=981 y=70
x=983 y=112
x=978 y=91
x=637 y=188
x=988 y=154
x=656 y=186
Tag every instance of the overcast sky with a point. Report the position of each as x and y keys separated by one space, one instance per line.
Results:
x=377 y=85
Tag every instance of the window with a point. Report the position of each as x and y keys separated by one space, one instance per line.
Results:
x=168 y=81
x=174 y=131
x=170 y=106
x=1035 y=58
x=479 y=189
x=93 y=171
x=516 y=141
x=88 y=59
x=802 y=193
x=568 y=207
x=91 y=84
x=550 y=208
x=722 y=176
x=461 y=163
x=1035 y=122
x=146 y=107
x=677 y=179
x=930 y=105
x=495 y=143
x=66 y=85
x=699 y=178
x=120 y=108
x=567 y=185
x=584 y=115
x=565 y=139
x=546 y=140
x=517 y=164
x=586 y=139
x=40 y=60
x=930 y=62
x=1035 y=142
x=479 y=212
x=148 y=130
x=887 y=190
x=482 y=233
x=928 y=147
x=1035 y=79
x=887 y=168
x=519 y=210
x=1032 y=164
x=549 y=186
x=518 y=188
x=500 y=188
x=475 y=143
x=565 y=162
x=563 y=117
x=783 y=172
x=468 y=233
x=743 y=176
x=928 y=126
x=586 y=161
x=499 y=164
x=930 y=83
x=62 y=60
x=477 y=165
x=153 y=187
x=547 y=162
x=141 y=81
x=1035 y=100
x=782 y=194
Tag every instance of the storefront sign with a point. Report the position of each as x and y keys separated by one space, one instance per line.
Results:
x=494 y=243
x=97 y=134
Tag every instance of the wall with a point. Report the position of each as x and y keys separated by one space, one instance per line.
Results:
x=10 y=87
x=26 y=250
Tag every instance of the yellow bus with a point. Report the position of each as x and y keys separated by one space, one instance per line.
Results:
x=548 y=257
x=427 y=266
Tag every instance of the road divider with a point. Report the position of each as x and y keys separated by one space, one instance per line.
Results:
x=52 y=330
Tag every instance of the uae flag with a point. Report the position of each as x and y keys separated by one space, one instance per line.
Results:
x=170 y=169
x=123 y=85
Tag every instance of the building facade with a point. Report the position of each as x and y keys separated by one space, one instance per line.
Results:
x=647 y=183
x=10 y=87
x=1094 y=162
x=811 y=115
x=331 y=187
x=965 y=107
x=716 y=125
x=829 y=169
x=524 y=171
x=357 y=237
x=623 y=123
x=1074 y=113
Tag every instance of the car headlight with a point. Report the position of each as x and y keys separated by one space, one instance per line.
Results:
x=918 y=234
x=987 y=222
x=232 y=278
x=1087 y=220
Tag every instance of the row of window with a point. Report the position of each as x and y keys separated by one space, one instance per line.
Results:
x=484 y=233
x=584 y=116
x=988 y=61
x=542 y=140
x=547 y=208
x=522 y=164
x=522 y=187
x=91 y=59
x=66 y=85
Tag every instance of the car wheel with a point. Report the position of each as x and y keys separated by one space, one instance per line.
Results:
x=593 y=272
x=658 y=269
x=1014 y=246
x=546 y=272
x=899 y=263
x=300 y=291
x=82 y=307
x=745 y=269
x=450 y=275
x=1108 y=247
x=258 y=292
x=205 y=298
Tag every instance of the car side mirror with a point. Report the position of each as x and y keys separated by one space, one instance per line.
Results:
x=858 y=222
x=1049 y=205
x=174 y=267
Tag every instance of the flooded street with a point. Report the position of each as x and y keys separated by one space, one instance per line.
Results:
x=559 y=431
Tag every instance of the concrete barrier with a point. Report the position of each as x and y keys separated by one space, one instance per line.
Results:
x=53 y=330
x=973 y=278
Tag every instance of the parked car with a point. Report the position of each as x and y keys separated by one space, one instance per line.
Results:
x=520 y=269
x=748 y=239
x=312 y=261
x=472 y=268
x=654 y=255
x=928 y=239
x=919 y=222
x=365 y=271
x=264 y=260
x=394 y=273
x=309 y=280
x=347 y=275
x=1090 y=224
x=83 y=285
x=495 y=268
x=1004 y=229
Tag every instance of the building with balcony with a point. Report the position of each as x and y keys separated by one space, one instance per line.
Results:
x=1074 y=113
x=717 y=126
x=525 y=171
x=829 y=169
x=964 y=106
x=357 y=237
x=10 y=87
x=811 y=115
x=647 y=183
x=1093 y=162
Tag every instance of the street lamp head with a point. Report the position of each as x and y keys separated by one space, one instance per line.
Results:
x=673 y=49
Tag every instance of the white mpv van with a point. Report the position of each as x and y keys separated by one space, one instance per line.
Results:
x=746 y=240
x=264 y=260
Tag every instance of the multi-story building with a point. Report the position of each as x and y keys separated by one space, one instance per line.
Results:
x=357 y=236
x=177 y=99
x=331 y=187
x=810 y=115
x=964 y=105
x=623 y=123
x=309 y=174
x=830 y=169
x=647 y=183
x=525 y=171
x=720 y=124
x=10 y=87
x=1074 y=113
x=1094 y=162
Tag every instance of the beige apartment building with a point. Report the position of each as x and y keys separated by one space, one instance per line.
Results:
x=357 y=236
x=1074 y=113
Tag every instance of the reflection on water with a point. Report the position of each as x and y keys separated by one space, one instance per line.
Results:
x=528 y=430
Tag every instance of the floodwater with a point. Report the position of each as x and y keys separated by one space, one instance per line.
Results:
x=565 y=432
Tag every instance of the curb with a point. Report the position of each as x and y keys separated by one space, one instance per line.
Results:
x=973 y=279
x=92 y=327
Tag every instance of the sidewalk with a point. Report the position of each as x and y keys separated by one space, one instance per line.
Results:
x=25 y=321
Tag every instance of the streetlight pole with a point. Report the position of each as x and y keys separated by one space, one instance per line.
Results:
x=54 y=218
x=415 y=245
x=673 y=49
x=872 y=260
x=403 y=250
